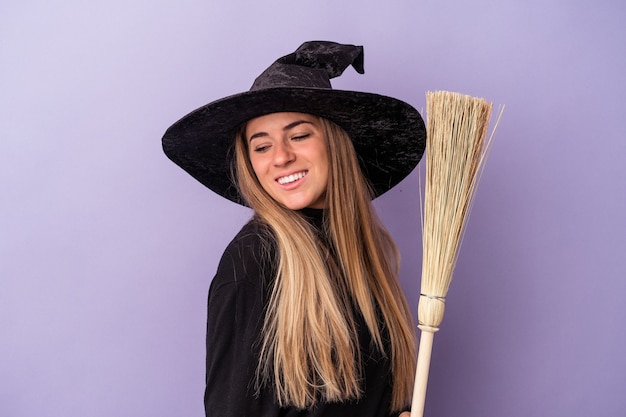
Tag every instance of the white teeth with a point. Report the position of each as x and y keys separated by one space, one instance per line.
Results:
x=291 y=178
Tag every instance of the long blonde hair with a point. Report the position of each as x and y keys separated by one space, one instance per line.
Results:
x=309 y=346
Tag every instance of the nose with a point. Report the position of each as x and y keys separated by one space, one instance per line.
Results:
x=283 y=153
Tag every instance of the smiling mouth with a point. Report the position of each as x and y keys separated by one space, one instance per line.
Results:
x=291 y=178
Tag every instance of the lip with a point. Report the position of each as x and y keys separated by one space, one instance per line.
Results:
x=292 y=183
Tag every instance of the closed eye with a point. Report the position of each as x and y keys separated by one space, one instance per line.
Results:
x=301 y=137
x=261 y=148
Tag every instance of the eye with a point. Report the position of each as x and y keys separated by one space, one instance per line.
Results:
x=261 y=148
x=301 y=136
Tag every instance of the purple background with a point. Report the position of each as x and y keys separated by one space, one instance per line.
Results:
x=107 y=249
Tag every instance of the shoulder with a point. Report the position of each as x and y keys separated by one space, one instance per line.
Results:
x=248 y=257
x=253 y=245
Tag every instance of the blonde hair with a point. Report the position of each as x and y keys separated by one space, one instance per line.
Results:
x=309 y=347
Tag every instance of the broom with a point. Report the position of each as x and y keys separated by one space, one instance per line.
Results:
x=455 y=151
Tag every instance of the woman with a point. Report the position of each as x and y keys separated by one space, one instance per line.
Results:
x=305 y=313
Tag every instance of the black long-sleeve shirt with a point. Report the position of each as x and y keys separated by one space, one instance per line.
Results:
x=236 y=307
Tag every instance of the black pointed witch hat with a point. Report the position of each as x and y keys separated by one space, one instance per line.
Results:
x=389 y=135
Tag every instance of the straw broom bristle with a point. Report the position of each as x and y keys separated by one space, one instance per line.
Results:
x=456 y=132
x=455 y=151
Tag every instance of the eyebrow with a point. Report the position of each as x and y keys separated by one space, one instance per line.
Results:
x=286 y=128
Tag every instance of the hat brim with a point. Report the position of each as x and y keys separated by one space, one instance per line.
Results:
x=389 y=135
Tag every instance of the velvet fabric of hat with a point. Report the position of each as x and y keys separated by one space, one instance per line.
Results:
x=389 y=135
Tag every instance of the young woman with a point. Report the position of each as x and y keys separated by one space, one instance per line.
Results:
x=305 y=313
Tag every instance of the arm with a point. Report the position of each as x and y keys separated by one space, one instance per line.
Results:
x=230 y=362
x=235 y=318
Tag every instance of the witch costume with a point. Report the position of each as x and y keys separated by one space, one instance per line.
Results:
x=389 y=139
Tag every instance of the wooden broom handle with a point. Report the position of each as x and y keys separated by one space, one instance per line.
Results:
x=421 y=373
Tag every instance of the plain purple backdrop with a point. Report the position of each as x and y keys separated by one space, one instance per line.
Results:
x=107 y=249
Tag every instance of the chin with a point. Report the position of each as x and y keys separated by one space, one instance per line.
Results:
x=295 y=206
x=295 y=203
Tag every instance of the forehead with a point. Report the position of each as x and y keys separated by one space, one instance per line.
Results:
x=278 y=121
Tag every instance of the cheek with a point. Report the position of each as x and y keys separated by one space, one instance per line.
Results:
x=257 y=166
x=324 y=162
x=260 y=170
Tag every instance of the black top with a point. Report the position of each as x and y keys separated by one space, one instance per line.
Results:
x=236 y=308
